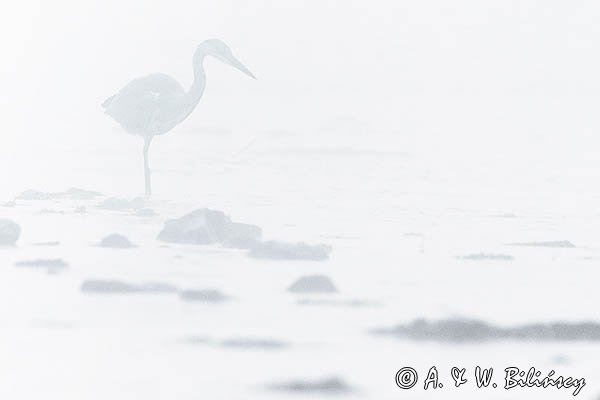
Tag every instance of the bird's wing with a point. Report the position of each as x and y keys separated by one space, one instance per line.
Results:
x=146 y=105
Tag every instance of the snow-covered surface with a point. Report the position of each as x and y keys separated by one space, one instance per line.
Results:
x=405 y=135
x=397 y=229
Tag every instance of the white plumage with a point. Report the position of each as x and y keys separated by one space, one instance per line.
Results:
x=154 y=104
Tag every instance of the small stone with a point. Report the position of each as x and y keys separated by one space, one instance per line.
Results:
x=203 y=295
x=102 y=286
x=9 y=232
x=206 y=226
x=313 y=284
x=116 y=241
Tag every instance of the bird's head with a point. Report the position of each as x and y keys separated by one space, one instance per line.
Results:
x=218 y=49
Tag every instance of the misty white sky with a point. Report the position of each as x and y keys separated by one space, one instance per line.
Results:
x=525 y=72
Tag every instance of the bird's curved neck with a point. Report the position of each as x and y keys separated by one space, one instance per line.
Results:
x=193 y=95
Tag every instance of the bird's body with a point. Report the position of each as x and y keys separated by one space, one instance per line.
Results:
x=153 y=105
x=148 y=106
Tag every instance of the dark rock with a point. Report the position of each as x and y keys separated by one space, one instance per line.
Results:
x=9 y=232
x=313 y=284
x=467 y=330
x=116 y=241
x=205 y=226
x=242 y=236
x=203 y=296
x=102 y=286
x=119 y=287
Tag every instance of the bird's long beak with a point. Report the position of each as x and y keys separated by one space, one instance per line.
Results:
x=234 y=62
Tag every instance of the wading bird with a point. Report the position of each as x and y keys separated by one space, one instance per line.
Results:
x=155 y=104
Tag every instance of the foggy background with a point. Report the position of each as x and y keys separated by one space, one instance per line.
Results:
x=507 y=83
x=446 y=153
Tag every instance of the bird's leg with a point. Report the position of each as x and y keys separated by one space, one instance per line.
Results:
x=148 y=186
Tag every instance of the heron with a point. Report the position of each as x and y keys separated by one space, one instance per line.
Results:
x=154 y=104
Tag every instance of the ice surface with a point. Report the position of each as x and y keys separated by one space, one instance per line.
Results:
x=313 y=284
x=48 y=243
x=206 y=226
x=145 y=212
x=470 y=330
x=9 y=232
x=120 y=204
x=120 y=287
x=327 y=385
x=290 y=251
x=203 y=295
x=116 y=241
